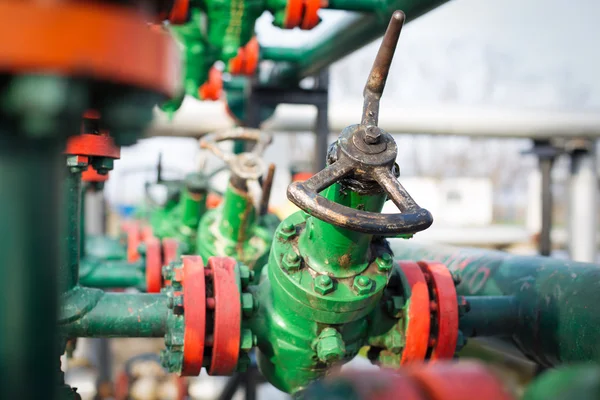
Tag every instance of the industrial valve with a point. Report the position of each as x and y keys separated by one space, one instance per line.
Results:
x=241 y=227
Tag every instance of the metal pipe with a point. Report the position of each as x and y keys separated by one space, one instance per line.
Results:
x=583 y=204
x=122 y=315
x=557 y=300
x=69 y=272
x=349 y=35
x=545 y=241
x=489 y=316
x=107 y=274
x=30 y=212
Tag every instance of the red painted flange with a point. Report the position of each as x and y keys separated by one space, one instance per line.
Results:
x=194 y=305
x=311 y=16
x=91 y=145
x=293 y=13
x=228 y=316
x=153 y=265
x=213 y=87
x=447 y=309
x=246 y=60
x=133 y=240
x=179 y=12
x=418 y=323
x=454 y=381
x=91 y=175
x=146 y=232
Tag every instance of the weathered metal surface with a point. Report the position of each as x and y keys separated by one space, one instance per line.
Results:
x=363 y=161
x=581 y=382
x=101 y=273
x=30 y=216
x=555 y=300
x=120 y=315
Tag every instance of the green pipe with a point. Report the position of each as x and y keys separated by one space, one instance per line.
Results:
x=107 y=274
x=120 y=315
x=30 y=217
x=356 y=5
x=238 y=215
x=68 y=275
x=194 y=207
x=490 y=316
x=349 y=35
x=556 y=300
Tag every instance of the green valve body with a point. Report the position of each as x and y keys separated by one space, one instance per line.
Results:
x=233 y=229
x=179 y=218
x=317 y=296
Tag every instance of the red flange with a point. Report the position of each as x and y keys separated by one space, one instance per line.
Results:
x=246 y=61
x=311 y=16
x=447 y=309
x=213 y=87
x=418 y=323
x=121 y=49
x=179 y=12
x=293 y=14
x=146 y=232
x=194 y=305
x=91 y=175
x=134 y=238
x=228 y=316
x=153 y=265
x=93 y=146
x=458 y=381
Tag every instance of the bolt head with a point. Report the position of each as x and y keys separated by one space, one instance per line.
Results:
x=77 y=161
x=362 y=284
x=247 y=340
x=245 y=275
x=323 y=285
x=291 y=261
x=384 y=263
x=330 y=346
x=372 y=135
x=247 y=304
x=286 y=231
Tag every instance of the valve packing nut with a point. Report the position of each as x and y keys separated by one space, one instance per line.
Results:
x=330 y=346
x=362 y=285
x=384 y=263
x=287 y=230
x=248 y=304
x=291 y=261
x=323 y=285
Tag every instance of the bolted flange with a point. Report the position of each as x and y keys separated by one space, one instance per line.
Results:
x=291 y=261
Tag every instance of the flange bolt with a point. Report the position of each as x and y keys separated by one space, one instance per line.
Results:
x=362 y=284
x=323 y=285
x=384 y=263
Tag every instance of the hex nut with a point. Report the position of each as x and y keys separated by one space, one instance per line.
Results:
x=362 y=285
x=330 y=346
x=384 y=263
x=247 y=304
x=247 y=340
x=245 y=275
x=323 y=285
x=291 y=261
x=286 y=231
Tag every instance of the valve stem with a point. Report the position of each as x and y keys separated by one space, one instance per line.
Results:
x=379 y=72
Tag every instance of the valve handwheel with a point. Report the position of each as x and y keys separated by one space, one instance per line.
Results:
x=247 y=165
x=367 y=154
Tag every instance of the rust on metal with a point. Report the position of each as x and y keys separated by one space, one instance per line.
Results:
x=266 y=191
x=381 y=68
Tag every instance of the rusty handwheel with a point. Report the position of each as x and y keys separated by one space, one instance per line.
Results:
x=248 y=165
x=364 y=157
